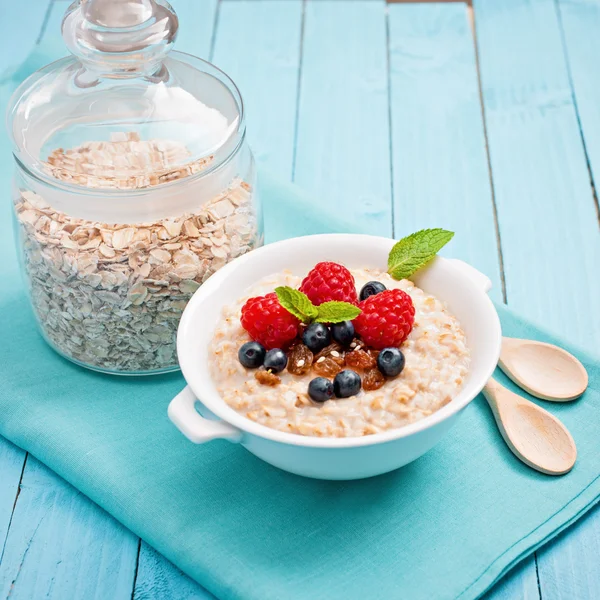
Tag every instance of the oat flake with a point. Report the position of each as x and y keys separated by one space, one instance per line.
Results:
x=111 y=296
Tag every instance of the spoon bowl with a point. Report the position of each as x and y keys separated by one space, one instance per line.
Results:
x=544 y=370
x=534 y=435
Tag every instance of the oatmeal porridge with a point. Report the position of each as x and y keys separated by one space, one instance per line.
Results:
x=434 y=366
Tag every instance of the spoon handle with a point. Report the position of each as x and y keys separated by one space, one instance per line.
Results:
x=535 y=436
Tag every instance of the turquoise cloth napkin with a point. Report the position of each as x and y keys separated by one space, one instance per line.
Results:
x=446 y=526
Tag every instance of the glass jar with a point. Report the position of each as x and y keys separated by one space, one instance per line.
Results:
x=134 y=183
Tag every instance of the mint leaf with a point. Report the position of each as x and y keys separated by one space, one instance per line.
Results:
x=297 y=303
x=336 y=312
x=413 y=252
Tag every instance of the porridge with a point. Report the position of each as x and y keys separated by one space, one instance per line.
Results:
x=407 y=358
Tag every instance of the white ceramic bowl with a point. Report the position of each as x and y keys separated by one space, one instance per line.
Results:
x=459 y=285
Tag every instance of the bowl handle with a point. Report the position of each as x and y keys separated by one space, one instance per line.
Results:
x=196 y=428
x=480 y=280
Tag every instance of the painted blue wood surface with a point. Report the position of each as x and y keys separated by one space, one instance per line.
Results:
x=61 y=545
x=44 y=557
x=196 y=26
x=580 y=20
x=437 y=142
x=16 y=42
x=258 y=45
x=547 y=218
x=158 y=579
x=20 y=37
x=546 y=210
x=569 y=567
x=440 y=165
x=12 y=461
x=342 y=147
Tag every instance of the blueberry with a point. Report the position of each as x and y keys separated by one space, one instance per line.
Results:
x=371 y=288
x=316 y=336
x=346 y=383
x=320 y=389
x=252 y=355
x=390 y=362
x=275 y=360
x=343 y=333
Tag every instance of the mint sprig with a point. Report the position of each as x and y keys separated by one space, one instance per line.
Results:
x=298 y=304
x=414 y=251
x=336 y=312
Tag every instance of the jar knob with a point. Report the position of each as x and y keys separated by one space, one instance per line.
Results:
x=120 y=37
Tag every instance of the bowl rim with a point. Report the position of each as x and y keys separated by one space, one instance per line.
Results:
x=228 y=415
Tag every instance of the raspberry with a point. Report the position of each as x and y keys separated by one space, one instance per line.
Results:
x=386 y=319
x=268 y=323
x=329 y=281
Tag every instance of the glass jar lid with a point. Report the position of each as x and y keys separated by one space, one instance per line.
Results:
x=123 y=112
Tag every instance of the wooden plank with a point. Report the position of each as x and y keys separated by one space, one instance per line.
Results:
x=19 y=35
x=11 y=466
x=61 y=545
x=196 y=26
x=580 y=21
x=158 y=579
x=569 y=566
x=519 y=584
x=540 y=177
x=546 y=211
x=16 y=43
x=342 y=152
x=258 y=45
x=440 y=168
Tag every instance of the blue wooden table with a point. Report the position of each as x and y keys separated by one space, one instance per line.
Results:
x=485 y=121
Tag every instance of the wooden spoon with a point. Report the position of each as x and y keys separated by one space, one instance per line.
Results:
x=544 y=370
x=534 y=435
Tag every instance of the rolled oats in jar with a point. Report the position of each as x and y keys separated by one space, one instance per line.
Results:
x=134 y=184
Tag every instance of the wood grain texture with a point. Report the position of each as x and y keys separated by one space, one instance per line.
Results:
x=440 y=168
x=580 y=20
x=546 y=211
x=258 y=45
x=60 y=545
x=158 y=579
x=17 y=40
x=196 y=26
x=342 y=151
x=11 y=467
x=344 y=57
x=519 y=583
x=18 y=35
x=439 y=163
x=569 y=566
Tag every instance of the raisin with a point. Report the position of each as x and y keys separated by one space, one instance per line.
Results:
x=359 y=359
x=300 y=360
x=267 y=378
x=326 y=352
x=326 y=367
x=372 y=380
